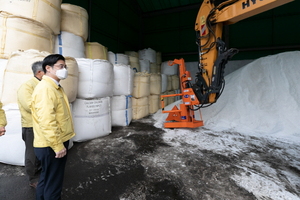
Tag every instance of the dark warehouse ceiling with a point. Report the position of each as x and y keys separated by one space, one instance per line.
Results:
x=158 y=5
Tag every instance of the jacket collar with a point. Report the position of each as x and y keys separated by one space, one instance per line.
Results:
x=50 y=80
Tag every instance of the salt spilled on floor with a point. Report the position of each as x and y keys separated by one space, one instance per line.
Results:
x=261 y=98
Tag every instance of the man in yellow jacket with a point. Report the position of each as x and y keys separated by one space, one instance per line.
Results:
x=32 y=164
x=3 y=122
x=52 y=126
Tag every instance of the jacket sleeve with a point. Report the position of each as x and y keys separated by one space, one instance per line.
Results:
x=45 y=106
x=3 y=121
x=24 y=97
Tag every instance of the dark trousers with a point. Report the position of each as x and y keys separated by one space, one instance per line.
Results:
x=32 y=164
x=52 y=175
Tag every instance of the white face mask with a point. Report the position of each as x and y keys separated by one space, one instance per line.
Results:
x=62 y=73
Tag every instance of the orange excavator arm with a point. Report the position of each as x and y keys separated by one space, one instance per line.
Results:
x=213 y=54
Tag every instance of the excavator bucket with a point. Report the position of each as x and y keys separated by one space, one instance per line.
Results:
x=173 y=115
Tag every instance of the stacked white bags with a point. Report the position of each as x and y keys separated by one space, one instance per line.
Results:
x=118 y=58
x=73 y=31
x=122 y=101
x=91 y=109
x=69 y=44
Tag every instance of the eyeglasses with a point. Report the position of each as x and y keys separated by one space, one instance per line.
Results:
x=60 y=66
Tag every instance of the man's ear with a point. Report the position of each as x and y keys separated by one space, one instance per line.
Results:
x=47 y=67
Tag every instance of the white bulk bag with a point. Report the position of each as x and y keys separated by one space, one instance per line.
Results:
x=144 y=66
x=20 y=33
x=96 y=78
x=69 y=44
x=70 y=84
x=169 y=70
x=94 y=50
x=91 y=118
x=175 y=82
x=74 y=19
x=18 y=70
x=164 y=82
x=12 y=146
x=121 y=110
x=141 y=85
x=123 y=80
x=155 y=84
x=154 y=103
x=140 y=107
x=148 y=54
x=47 y=12
x=118 y=58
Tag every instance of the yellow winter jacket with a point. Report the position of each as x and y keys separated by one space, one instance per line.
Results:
x=24 y=100
x=2 y=117
x=51 y=115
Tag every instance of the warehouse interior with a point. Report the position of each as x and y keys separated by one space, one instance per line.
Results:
x=248 y=147
x=167 y=26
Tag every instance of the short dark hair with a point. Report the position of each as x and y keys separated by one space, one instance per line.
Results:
x=51 y=60
x=37 y=66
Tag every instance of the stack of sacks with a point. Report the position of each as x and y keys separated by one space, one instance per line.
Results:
x=47 y=12
x=122 y=101
x=12 y=146
x=123 y=88
x=141 y=93
x=147 y=59
x=172 y=81
x=155 y=91
x=133 y=60
x=91 y=109
x=18 y=32
x=94 y=50
x=74 y=31
x=118 y=58
x=69 y=44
